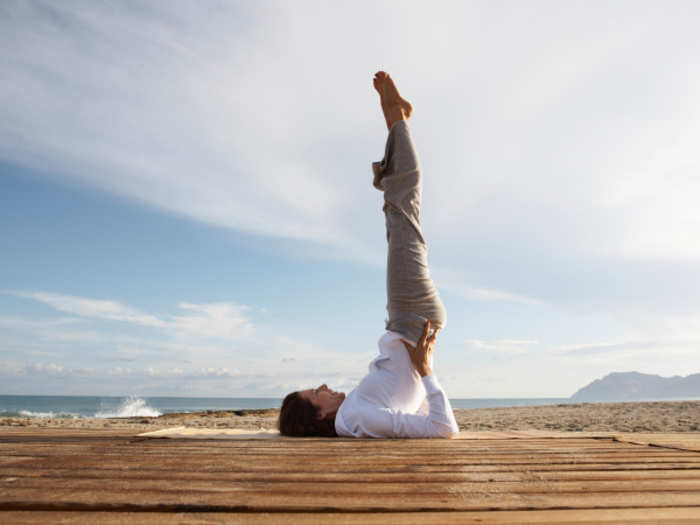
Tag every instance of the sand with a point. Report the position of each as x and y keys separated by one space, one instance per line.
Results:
x=659 y=416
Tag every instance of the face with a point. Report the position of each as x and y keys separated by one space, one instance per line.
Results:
x=326 y=400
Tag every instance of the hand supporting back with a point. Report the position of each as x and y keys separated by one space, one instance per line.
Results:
x=422 y=352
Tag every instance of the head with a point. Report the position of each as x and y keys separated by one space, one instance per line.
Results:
x=310 y=412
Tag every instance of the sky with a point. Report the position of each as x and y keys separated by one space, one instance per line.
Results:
x=186 y=204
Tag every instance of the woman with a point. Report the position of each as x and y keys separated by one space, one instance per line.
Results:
x=399 y=397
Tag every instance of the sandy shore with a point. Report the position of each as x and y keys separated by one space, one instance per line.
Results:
x=661 y=416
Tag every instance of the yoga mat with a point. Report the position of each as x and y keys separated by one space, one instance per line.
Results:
x=229 y=433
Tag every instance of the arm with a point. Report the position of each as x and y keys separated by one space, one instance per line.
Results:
x=440 y=420
x=439 y=423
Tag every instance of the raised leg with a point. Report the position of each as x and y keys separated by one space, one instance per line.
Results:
x=412 y=298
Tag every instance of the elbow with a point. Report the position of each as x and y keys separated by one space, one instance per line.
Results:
x=452 y=429
x=447 y=431
x=452 y=432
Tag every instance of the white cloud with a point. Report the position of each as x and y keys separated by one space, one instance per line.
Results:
x=97 y=308
x=120 y=371
x=499 y=295
x=12 y=322
x=503 y=346
x=211 y=344
x=590 y=348
x=39 y=368
x=633 y=351
x=220 y=320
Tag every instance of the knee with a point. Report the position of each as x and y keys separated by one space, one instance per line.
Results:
x=439 y=318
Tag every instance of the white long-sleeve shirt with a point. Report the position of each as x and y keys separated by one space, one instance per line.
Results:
x=391 y=400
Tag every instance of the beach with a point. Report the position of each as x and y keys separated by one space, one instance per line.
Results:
x=657 y=416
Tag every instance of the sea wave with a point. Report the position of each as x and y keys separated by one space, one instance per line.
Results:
x=131 y=407
x=30 y=413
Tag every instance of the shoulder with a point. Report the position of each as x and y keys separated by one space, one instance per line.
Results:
x=343 y=414
x=358 y=417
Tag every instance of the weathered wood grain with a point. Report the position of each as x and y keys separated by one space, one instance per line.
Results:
x=649 y=516
x=682 y=441
x=54 y=477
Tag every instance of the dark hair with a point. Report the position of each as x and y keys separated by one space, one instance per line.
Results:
x=299 y=418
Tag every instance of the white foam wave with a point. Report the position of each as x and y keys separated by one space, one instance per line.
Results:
x=131 y=407
x=29 y=413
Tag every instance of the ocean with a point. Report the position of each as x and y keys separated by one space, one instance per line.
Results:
x=132 y=406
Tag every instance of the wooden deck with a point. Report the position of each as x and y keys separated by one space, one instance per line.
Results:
x=72 y=476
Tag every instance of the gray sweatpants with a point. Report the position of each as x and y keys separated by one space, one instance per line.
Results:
x=412 y=298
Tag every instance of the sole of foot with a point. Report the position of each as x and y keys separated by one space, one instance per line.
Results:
x=389 y=95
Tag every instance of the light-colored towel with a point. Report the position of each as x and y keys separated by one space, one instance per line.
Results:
x=212 y=433
x=229 y=433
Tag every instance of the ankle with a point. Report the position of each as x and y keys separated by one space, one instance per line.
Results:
x=393 y=115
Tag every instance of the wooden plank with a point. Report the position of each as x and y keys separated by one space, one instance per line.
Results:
x=253 y=448
x=649 y=516
x=652 y=455
x=205 y=447
x=202 y=451
x=56 y=450
x=310 y=467
x=118 y=448
x=181 y=432
x=95 y=435
x=12 y=460
x=99 y=472
x=533 y=485
x=223 y=465
x=689 y=441
x=351 y=463
x=692 y=438
x=311 y=444
x=121 y=496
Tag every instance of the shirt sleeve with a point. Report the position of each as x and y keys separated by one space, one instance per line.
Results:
x=439 y=423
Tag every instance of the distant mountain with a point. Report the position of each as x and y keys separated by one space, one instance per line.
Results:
x=633 y=386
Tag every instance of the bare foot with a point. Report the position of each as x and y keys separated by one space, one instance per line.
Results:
x=394 y=106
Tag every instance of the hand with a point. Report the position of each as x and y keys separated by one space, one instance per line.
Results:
x=423 y=351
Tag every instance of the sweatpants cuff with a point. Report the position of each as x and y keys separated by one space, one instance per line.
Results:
x=378 y=168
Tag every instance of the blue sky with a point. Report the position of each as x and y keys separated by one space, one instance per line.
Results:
x=186 y=206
